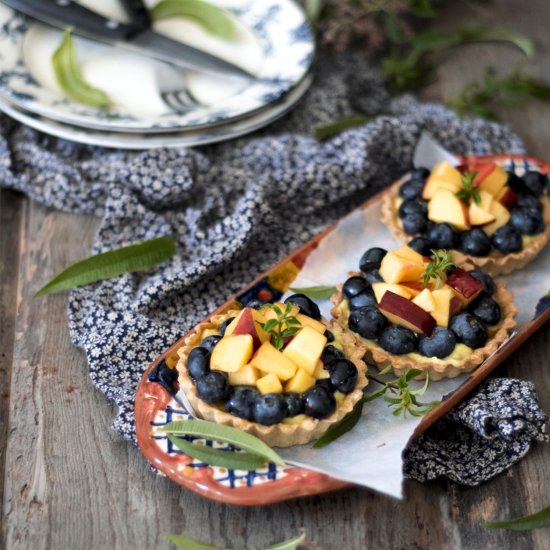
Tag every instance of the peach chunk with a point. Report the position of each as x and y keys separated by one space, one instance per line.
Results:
x=309 y=322
x=443 y=176
x=269 y=359
x=442 y=298
x=300 y=382
x=494 y=181
x=502 y=216
x=446 y=207
x=396 y=269
x=247 y=322
x=305 y=349
x=245 y=376
x=401 y=311
x=425 y=300
x=232 y=353
x=381 y=288
x=269 y=384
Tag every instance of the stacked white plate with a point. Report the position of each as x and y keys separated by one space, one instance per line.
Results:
x=273 y=41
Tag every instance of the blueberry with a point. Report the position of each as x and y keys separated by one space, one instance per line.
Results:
x=368 y=322
x=475 y=242
x=326 y=383
x=209 y=343
x=442 y=235
x=529 y=202
x=527 y=222
x=542 y=305
x=372 y=258
x=421 y=244
x=412 y=188
x=213 y=387
x=307 y=307
x=198 y=363
x=398 y=340
x=294 y=404
x=440 y=344
x=329 y=336
x=485 y=278
x=515 y=183
x=373 y=276
x=413 y=224
x=420 y=173
x=413 y=206
x=469 y=330
x=319 y=402
x=165 y=376
x=225 y=324
x=241 y=402
x=343 y=375
x=355 y=285
x=270 y=409
x=486 y=309
x=507 y=239
x=255 y=303
x=364 y=299
x=331 y=354
x=535 y=182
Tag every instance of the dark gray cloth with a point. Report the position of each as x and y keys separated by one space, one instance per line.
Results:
x=235 y=209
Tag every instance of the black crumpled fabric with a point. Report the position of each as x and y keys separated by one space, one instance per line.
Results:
x=235 y=209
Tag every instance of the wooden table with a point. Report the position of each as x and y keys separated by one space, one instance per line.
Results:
x=67 y=481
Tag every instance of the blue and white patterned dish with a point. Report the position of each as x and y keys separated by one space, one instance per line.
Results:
x=274 y=34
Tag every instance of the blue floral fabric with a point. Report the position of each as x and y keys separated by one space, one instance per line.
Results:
x=235 y=209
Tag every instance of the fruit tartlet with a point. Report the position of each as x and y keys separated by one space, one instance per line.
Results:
x=413 y=311
x=278 y=371
x=489 y=218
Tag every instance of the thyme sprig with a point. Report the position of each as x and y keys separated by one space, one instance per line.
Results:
x=441 y=261
x=283 y=326
x=469 y=191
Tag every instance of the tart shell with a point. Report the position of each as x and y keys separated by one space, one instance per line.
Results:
x=494 y=264
x=281 y=434
x=437 y=371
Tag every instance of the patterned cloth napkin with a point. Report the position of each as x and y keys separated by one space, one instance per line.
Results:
x=235 y=209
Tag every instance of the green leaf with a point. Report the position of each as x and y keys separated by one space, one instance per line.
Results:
x=217 y=457
x=422 y=390
x=136 y=257
x=340 y=428
x=187 y=543
x=533 y=521
x=219 y=432
x=270 y=325
x=330 y=130
x=212 y=19
x=316 y=292
x=413 y=373
x=375 y=395
x=69 y=77
x=313 y=10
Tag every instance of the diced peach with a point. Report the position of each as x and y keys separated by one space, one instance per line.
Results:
x=442 y=298
x=300 y=382
x=309 y=322
x=396 y=269
x=443 y=176
x=410 y=254
x=482 y=170
x=425 y=300
x=446 y=207
x=465 y=286
x=320 y=371
x=401 y=311
x=245 y=376
x=381 y=288
x=269 y=384
x=232 y=353
x=479 y=216
x=507 y=197
x=413 y=287
x=305 y=349
x=269 y=359
x=502 y=216
x=494 y=181
x=247 y=322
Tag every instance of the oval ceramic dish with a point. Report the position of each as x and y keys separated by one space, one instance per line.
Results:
x=155 y=407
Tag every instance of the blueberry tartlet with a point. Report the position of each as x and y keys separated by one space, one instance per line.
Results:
x=278 y=371
x=489 y=218
x=413 y=311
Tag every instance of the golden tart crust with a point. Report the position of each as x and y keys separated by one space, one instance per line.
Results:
x=438 y=368
x=494 y=264
x=281 y=434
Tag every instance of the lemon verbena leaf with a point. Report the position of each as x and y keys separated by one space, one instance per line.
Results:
x=219 y=432
x=532 y=521
x=212 y=19
x=344 y=426
x=136 y=257
x=316 y=292
x=69 y=77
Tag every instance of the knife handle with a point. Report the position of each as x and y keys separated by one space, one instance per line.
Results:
x=138 y=12
x=66 y=13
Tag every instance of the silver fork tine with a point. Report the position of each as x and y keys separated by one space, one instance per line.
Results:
x=181 y=101
x=173 y=89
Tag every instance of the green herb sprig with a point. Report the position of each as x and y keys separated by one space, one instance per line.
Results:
x=283 y=326
x=316 y=292
x=533 y=521
x=402 y=399
x=441 y=261
x=469 y=191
